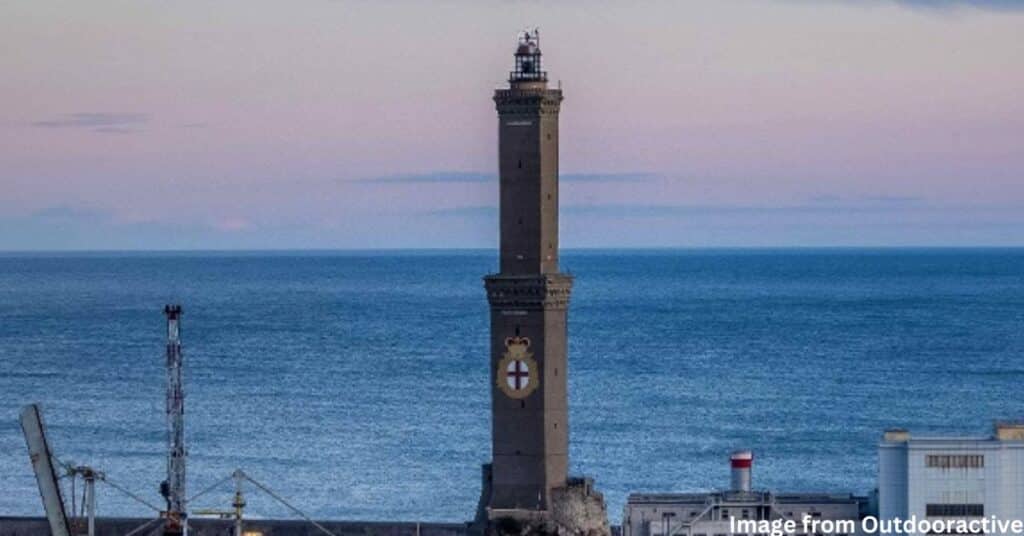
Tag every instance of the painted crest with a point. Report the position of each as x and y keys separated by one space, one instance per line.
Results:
x=517 y=374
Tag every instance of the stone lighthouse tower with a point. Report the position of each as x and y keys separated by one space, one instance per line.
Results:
x=529 y=297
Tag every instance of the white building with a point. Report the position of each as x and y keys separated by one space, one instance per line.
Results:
x=952 y=478
x=708 y=514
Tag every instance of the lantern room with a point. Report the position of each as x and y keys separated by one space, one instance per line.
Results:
x=528 y=64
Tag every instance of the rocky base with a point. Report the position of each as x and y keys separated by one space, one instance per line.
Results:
x=579 y=510
x=576 y=510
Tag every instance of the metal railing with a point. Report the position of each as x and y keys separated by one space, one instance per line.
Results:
x=520 y=76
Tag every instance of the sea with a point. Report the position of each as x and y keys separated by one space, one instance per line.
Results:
x=354 y=384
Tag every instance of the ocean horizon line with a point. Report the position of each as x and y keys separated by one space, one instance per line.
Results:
x=494 y=250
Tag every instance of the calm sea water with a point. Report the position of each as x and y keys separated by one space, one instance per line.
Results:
x=355 y=384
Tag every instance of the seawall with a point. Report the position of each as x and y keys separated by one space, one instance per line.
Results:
x=119 y=526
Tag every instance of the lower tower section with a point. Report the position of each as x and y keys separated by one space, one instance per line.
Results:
x=529 y=392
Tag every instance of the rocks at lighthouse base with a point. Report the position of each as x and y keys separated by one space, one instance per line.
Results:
x=579 y=509
x=576 y=510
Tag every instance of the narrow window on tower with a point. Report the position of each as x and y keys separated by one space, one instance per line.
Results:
x=520 y=164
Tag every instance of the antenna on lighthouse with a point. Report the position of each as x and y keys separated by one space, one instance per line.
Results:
x=173 y=489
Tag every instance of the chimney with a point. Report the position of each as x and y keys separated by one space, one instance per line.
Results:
x=742 y=462
x=896 y=435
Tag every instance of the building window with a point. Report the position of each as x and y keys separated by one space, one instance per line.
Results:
x=955 y=461
x=955 y=510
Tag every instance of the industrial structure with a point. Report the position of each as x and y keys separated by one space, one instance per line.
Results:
x=709 y=514
x=951 y=477
x=236 y=513
x=529 y=298
x=173 y=489
x=43 y=466
x=175 y=519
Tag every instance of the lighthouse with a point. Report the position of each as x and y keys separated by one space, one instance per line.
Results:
x=528 y=297
x=527 y=481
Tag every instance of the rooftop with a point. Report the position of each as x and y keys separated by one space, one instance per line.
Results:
x=1002 y=431
x=734 y=497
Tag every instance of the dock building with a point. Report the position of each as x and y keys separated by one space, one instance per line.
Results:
x=952 y=477
x=709 y=514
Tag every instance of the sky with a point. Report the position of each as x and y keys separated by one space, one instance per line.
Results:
x=251 y=124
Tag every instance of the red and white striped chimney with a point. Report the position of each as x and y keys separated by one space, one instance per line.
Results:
x=742 y=462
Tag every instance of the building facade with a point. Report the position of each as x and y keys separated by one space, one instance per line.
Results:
x=952 y=478
x=709 y=514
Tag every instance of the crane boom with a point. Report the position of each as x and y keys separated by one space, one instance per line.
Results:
x=42 y=464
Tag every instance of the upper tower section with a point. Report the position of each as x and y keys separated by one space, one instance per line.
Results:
x=528 y=164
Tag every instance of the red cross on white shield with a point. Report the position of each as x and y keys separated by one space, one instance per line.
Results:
x=517 y=374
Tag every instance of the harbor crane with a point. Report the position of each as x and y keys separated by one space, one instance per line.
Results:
x=174 y=517
x=237 y=504
x=42 y=464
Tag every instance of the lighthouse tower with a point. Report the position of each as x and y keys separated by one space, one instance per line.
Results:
x=526 y=487
x=529 y=296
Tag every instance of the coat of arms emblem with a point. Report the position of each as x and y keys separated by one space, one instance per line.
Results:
x=517 y=374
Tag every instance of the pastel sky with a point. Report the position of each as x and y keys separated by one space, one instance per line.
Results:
x=143 y=124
